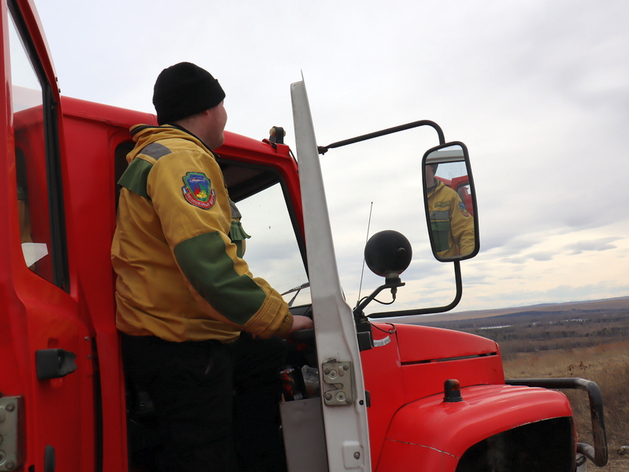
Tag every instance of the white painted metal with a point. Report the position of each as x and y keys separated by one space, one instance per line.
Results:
x=304 y=439
x=346 y=429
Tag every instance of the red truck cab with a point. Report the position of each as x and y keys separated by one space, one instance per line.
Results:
x=62 y=389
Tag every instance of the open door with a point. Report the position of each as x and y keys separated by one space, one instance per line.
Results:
x=46 y=373
x=343 y=393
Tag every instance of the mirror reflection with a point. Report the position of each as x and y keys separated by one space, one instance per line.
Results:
x=449 y=198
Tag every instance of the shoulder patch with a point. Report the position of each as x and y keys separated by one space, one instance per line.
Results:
x=198 y=191
x=464 y=211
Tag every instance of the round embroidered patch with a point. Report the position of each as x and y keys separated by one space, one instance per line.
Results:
x=464 y=211
x=198 y=190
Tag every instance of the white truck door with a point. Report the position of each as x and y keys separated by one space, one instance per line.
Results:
x=343 y=394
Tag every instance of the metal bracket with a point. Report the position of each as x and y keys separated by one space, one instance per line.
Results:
x=9 y=430
x=598 y=453
x=338 y=379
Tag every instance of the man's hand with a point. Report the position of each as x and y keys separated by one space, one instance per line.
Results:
x=300 y=322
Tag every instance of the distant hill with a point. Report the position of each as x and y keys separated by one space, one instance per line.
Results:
x=557 y=326
x=564 y=309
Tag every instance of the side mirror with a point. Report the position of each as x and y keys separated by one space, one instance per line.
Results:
x=450 y=202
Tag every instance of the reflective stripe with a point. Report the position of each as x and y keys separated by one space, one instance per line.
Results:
x=440 y=215
x=155 y=150
x=235 y=212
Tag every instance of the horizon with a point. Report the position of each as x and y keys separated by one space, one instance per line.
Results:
x=529 y=309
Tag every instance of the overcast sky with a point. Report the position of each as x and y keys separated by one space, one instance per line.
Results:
x=537 y=89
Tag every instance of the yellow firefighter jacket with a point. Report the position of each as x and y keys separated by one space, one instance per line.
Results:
x=451 y=224
x=179 y=275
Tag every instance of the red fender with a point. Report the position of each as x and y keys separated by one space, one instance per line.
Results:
x=435 y=434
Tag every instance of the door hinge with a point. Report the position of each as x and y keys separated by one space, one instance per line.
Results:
x=338 y=383
x=10 y=412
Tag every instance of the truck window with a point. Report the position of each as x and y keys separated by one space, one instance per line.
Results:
x=272 y=251
x=40 y=205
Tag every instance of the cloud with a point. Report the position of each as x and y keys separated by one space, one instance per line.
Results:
x=541 y=256
x=602 y=244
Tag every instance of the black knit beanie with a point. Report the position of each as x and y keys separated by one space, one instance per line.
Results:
x=183 y=90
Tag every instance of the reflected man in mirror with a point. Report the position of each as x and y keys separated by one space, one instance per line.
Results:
x=452 y=226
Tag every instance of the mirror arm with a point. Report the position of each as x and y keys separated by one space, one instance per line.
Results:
x=384 y=132
x=363 y=325
x=393 y=285
x=432 y=310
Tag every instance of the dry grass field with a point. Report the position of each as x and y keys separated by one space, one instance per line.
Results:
x=607 y=365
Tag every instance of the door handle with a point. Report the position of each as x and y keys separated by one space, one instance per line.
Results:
x=54 y=363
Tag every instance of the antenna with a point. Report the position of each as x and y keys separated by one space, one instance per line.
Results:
x=362 y=272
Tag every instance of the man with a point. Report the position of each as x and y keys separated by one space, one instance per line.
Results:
x=452 y=226
x=183 y=292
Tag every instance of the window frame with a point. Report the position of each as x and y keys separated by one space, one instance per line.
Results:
x=52 y=142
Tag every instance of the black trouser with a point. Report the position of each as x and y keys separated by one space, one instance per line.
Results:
x=215 y=405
